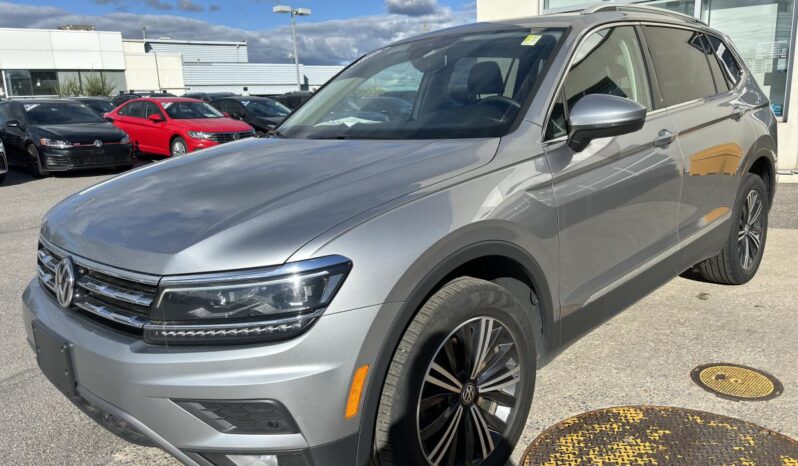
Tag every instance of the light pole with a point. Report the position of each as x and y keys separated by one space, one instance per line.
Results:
x=294 y=12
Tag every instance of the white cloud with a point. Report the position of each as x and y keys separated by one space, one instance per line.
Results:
x=320 y=43
x=412 y=7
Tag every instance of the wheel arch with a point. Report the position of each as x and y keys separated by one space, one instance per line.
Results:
x=484 y=259
x=763 y=164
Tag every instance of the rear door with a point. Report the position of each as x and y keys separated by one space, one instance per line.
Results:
x=617 y=200
x=703 y=97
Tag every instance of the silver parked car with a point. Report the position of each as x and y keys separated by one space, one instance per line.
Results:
x=381 y=280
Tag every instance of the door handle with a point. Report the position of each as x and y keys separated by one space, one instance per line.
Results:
x=664 y=138
x=737 y=113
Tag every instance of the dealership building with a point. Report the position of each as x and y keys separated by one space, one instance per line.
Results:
x=763 y=31
x=38 y=62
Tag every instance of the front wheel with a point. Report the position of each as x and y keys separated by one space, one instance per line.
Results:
x=460 y=384
x=36 y=162
x=178 y=147
x=739 y=260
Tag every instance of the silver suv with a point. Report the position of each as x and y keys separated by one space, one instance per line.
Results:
x=381 y=280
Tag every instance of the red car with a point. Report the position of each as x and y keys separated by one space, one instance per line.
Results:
x=175 y=126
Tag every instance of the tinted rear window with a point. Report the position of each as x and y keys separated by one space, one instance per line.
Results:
x=680 y=61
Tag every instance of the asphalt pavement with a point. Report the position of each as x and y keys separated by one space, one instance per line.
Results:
x=642 y=356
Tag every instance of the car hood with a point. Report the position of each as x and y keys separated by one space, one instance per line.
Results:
x=84 y=133
x=213 y=125
x=247 y=204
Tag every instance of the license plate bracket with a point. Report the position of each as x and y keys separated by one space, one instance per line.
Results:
x=54 y=356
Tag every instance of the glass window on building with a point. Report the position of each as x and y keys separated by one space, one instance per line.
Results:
x=760 y=30
x=31 y=83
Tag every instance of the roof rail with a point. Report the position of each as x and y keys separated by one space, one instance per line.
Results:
x=600 y=7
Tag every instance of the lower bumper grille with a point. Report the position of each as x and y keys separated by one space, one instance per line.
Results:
x=81 y=158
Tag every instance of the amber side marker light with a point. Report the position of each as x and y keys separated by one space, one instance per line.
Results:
x=355 y=391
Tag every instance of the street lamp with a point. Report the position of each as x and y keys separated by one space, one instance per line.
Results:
x=294 y=12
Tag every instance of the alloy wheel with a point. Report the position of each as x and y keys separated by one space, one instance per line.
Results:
x=468 y=393
x=178 y=148
x=749 y=234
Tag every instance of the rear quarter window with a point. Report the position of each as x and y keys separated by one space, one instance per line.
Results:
x=726 y=59
x=681 y=64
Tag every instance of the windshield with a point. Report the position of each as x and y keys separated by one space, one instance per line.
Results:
x=100 y=106
x=465 y=86
x=266 y=108
x=60 y=114
x=190 y=110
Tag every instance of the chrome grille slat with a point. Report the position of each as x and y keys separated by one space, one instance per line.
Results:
x=112 y=296
x=106 y=312
x=108 y=290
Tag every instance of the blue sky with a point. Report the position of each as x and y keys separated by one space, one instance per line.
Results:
x=337 y=31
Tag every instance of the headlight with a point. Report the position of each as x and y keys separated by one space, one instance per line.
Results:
x=245 y=307
x=200 y=134
x=55 y=143
x=125 y=139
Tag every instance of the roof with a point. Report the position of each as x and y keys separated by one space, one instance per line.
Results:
x=170 y=99
x=579 y=20
x=42 y=101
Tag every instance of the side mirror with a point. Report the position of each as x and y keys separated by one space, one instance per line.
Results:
x=601 y=116
x=239 y=116
x=108 y=118
x=12 y=123
x=155 y=118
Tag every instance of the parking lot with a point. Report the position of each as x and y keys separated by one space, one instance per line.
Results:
x=642 y=357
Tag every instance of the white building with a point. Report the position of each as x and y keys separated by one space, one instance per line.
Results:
x=764 y=31
x=214 y=66
x=38 y=62
x=34 y=61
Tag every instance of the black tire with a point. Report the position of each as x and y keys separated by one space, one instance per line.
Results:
x=35 y=162
x=175 y=144
x=449 y=326
x=2 y=177
x=727 y=268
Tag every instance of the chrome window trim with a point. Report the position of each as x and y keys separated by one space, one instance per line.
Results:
x=137 y=277
x=697 y=28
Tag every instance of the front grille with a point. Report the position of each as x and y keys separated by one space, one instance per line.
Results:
x=113 y=297
x=227 y=137
x=86 y=157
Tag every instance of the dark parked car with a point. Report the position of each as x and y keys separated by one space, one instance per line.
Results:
x=293 y=100
x=60 y=135
x=262 y=113
x=122 y=98
x=3 y=162
x=208 y=96
x=101 y=105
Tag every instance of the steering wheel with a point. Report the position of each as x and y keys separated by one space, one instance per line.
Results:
x=500 y=101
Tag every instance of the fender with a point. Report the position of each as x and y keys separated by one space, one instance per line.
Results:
x=420 y=289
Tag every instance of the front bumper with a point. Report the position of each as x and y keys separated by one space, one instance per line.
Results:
x=138 y=383
x=109 y=155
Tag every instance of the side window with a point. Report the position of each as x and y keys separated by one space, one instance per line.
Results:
x=222 y=105
x=3 y=112
x=721 y=85
x=133 y=109
x=681 y=64
x=609 y=61
x=16 y=112
x=235 y=108
x=731 y=68
x=151 y=109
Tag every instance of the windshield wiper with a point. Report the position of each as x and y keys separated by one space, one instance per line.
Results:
x=278 y=134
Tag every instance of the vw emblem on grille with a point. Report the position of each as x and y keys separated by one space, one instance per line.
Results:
x=65 y=282
x=98 y=143
x=236 y=136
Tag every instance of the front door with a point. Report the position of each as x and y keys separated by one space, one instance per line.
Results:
x=618 y=199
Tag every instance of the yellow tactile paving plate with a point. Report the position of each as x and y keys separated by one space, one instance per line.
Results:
x=653 y=435
x=736 y=382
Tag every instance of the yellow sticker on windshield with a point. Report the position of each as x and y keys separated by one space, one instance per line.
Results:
x=531 y=39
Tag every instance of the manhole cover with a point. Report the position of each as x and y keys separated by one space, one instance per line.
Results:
x=735 y=382
x=649 y=435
